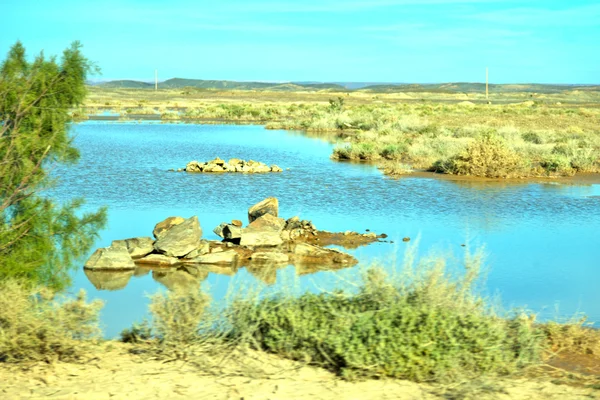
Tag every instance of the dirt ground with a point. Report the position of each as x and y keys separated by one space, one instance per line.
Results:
x=112 y=372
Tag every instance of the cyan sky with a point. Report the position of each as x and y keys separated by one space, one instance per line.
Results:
x=319 y=40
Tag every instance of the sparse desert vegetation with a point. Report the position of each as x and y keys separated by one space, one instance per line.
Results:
x=511 y=139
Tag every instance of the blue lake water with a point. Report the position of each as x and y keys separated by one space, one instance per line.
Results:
x=542 y=239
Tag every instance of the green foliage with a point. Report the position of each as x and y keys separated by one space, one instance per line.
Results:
x=35 y=326
x=38 y=238
x=430 y=327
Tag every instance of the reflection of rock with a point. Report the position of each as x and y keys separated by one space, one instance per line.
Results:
x=141 y=271
x=269 y=258
x=180 y=239
x=108 y=280
x=165 y=225
x=228 y=270
x=267 y=206
x=158 y=260
x=137 y=247
x=179 y=279
x=111 y=258
x=221 y=257
x=266 y=274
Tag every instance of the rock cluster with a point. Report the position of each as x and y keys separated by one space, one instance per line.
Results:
x=233 y=165
x=267 y=241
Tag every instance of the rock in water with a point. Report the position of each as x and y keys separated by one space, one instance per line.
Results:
x=137 y=247
x=267 y=222
x=223 y=257
x=259 y=238
x=165 y=225
x=110 y=258
x=267 y=206
x=180 y=239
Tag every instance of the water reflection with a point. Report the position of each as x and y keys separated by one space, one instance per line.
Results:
x=109 y=280
x=190 y=277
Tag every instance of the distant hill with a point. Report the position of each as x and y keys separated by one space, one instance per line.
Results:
x=180 y=83
x=453 y=87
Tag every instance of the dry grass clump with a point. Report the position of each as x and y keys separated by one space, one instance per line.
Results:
x=487 y=156
x=574 y=337
x=35 y=325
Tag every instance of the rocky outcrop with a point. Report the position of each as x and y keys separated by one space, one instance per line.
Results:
x=269 y=205
x=233 y=165
x=180 y=239
x=267 y=242
x=110 y=258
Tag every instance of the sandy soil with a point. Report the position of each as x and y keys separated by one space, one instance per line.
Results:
x=114 y=373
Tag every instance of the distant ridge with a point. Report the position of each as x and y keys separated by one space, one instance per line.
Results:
x=452 y=87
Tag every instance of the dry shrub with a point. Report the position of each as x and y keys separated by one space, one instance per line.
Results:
x=34 y=325
x=487 y=156
x=576 y=336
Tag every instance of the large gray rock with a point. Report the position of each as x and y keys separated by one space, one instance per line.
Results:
x=110 y=258
x=267 y=222
x=204 y=248
x=223 y=257
x=180 y=239
x=165 y=225
x=269 y=205
x=260 y=238
x=137 y=247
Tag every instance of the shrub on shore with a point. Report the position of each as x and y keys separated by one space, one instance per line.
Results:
x=36 y=326
x=426 y=327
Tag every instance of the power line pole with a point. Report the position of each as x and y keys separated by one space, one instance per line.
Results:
x=155 y=80
x=486 y=83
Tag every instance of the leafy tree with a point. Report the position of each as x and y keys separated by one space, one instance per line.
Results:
x=40 y=239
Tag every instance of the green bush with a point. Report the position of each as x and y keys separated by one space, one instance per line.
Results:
x=429 y=328
x=35 y=326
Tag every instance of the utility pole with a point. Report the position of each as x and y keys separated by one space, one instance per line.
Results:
x=155 y=80
x=486 y=83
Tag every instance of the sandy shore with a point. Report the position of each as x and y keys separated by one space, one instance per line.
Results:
x=113 y=372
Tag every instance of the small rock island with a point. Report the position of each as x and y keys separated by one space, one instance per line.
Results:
x=233 y=165
x=266 y=241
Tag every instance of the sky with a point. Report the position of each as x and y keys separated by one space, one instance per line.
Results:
x=412 y=41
